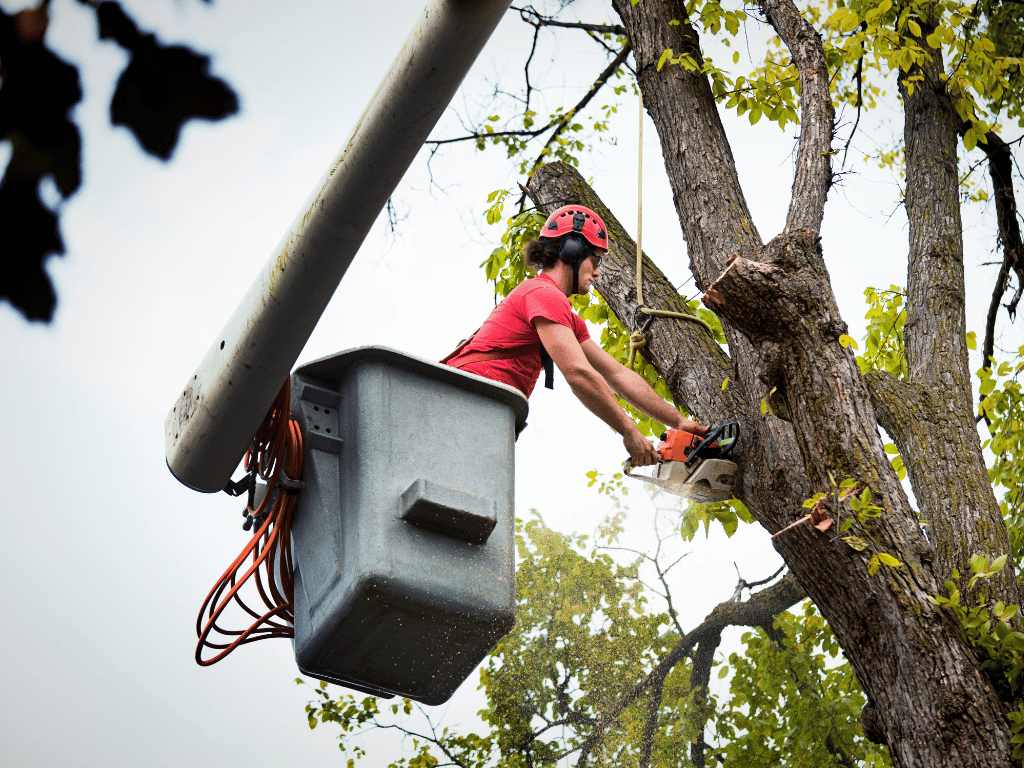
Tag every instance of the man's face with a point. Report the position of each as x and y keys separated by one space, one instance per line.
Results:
x=590 y=270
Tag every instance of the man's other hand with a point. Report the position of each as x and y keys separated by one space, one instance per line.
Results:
x=641 y=452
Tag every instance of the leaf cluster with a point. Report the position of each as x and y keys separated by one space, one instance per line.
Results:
x=1002 y=406
x=992 y=628
x=794 y=701
x=584 y=635
x=160 y=89
x=727 y=513
x=884 y=344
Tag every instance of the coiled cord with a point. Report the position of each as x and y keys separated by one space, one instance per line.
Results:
x=276 y=458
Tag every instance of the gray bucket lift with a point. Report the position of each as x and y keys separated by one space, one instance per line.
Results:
x=403 y=537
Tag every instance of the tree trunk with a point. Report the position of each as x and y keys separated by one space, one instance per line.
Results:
x=941 y=447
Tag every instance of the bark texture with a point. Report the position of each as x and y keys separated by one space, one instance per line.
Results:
x=940 y=445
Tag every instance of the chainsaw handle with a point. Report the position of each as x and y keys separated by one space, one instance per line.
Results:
x=726 y=432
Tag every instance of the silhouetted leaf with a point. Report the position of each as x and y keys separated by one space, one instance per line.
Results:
x=35 y=235
x=162 y=87
x=37 y=93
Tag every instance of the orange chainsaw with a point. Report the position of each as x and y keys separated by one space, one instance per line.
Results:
x=695 y=466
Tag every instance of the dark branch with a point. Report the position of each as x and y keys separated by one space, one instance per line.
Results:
x=568 y=117
x=700 y=677
x=755 y=612
x=536 y=19
x=651 y=725
x=559 y=123
x=859 y=77
x=1000 y=167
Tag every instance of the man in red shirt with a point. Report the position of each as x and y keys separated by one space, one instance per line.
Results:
x=536 y=325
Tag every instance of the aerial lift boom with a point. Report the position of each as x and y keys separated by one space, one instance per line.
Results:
x=212 y=423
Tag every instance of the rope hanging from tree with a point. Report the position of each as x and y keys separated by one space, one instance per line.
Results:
x=638 y=339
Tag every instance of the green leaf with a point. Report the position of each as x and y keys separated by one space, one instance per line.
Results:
x=972 y=340
x=888 y=560
x=847 y=342
x=856 y=543
x=665 y=57
x=725 y=383
x=873 y=565
x=843 y=20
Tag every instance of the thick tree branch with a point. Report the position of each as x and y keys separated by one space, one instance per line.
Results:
x=700 y=677
x=651 y=725
x=898 y=405
x=935 y=335
x=760 y=608
x=814 y=156
x=712 y=209
x=943 y=453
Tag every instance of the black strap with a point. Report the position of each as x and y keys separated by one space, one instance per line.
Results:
x=549 y=368
x=545 y=360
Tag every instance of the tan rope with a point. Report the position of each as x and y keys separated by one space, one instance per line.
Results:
x=638 y=339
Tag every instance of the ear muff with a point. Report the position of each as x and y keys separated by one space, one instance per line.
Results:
x=573 y=251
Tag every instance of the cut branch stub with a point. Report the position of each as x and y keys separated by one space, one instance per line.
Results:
x=767 y=298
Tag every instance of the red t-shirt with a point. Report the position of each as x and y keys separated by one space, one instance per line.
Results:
x=511 y=325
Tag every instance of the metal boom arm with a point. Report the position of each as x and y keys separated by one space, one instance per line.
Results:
x=213 y=420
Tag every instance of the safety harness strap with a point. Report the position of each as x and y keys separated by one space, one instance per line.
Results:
x=505 y=354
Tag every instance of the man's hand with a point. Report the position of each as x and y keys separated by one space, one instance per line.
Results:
x=690 y=426
x=641 y=452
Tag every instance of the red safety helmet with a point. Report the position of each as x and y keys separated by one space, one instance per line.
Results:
x=579 y=229
x=577 y=218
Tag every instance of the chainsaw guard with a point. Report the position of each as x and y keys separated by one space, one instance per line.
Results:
x=711 y=480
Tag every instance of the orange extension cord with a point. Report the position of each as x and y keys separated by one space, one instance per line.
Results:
x=277 y=449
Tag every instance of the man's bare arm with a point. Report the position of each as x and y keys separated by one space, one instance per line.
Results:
x=591 y=388
x=632 y=387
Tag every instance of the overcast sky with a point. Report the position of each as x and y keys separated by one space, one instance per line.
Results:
x=107 y=557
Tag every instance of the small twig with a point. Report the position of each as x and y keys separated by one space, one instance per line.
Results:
x=859 y=75
x=536 y=19
x=567 y=118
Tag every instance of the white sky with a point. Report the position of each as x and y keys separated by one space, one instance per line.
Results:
x=107 y=557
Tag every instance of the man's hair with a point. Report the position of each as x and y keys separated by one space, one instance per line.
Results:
x=542 y=252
